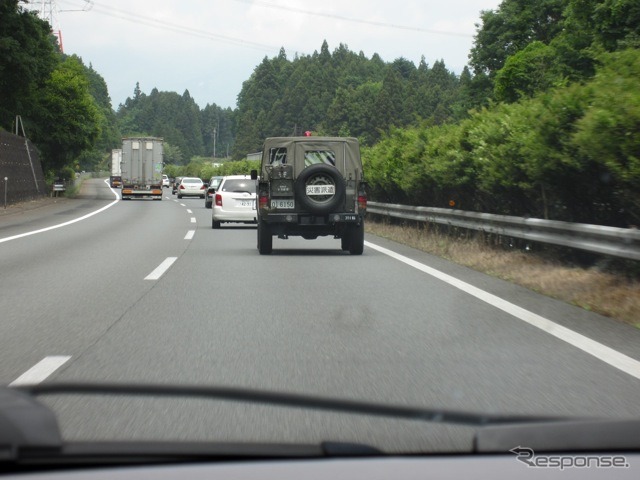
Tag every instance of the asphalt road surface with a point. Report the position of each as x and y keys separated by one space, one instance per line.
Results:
x=97 y=289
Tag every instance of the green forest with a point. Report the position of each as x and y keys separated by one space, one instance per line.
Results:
x=543 y=122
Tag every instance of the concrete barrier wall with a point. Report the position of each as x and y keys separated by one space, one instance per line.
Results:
x=24 y=174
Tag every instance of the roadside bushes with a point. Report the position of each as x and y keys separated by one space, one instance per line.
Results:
x=232 y=167
x=203 y=168
x=572 y=153
x=608 y=135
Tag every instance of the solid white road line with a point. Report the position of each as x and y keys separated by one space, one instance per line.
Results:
x=160 y=269
x=189 y=235
x=41 y=370
x=53 y=227
x=606 y=354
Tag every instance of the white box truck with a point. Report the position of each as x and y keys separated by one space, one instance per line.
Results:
x=115 y=179
x=141 y=167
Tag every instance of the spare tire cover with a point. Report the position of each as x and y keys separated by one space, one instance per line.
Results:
x=320 y=188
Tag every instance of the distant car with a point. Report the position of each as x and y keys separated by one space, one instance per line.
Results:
x=234 y=201
x=211 y=190
x=165 y=181
x=191 y=186
x=115 y=181
x=176 y=184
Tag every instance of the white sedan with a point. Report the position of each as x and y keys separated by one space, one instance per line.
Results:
x=191 y=186
x=234 y=201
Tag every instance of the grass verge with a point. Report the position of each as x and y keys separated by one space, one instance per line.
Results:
x=611 y=294
x=72 y=190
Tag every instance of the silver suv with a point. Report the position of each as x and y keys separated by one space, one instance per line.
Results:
x=310 y=187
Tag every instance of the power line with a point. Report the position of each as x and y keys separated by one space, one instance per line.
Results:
x=140 y=19
x=354 y=20
x=88 y=5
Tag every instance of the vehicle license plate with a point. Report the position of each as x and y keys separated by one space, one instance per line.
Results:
x=245 y=203
x=283 y=204
x=321 y=189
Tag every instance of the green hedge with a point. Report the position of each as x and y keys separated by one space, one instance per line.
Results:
x=571 y=154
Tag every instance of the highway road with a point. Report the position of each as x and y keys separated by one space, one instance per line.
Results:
x=144 y=291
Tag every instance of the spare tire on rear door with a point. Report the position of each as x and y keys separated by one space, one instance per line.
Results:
x=320 y=188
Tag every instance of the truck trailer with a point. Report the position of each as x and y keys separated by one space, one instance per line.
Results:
x=115 y=179
x=142 y=167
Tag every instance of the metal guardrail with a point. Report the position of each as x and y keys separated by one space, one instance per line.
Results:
x=619 y=242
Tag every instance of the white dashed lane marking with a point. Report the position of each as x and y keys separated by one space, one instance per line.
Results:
x=41 y=370
x=161 y=269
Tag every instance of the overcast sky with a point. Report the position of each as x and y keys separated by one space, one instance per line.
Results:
x=210 y=47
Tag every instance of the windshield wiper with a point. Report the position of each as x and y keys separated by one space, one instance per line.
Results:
x=287 y=400
x=29 y=430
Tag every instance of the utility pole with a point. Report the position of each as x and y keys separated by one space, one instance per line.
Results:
x=215 y=131
x=19 y=124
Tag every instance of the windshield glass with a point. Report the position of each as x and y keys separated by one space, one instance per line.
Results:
x=242 y=185
x=425 y=204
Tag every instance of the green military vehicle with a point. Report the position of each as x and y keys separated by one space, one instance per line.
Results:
x=310 y=187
